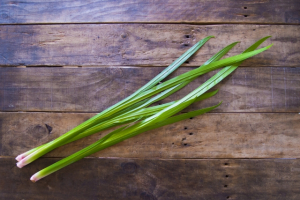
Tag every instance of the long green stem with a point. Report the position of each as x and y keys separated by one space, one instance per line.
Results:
x=104 y=115
x=161 y=87
x=143 y=124
x=122 y=119
x=88 y=150
x=122 y=134
x=139 y=105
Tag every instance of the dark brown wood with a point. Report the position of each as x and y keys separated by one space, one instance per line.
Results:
x=175 y=11
x=249 y=89
x=255 y=135
x=140 y=44
x=131 y=179
x=211 y=157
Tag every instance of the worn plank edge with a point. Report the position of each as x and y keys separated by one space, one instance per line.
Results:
x=86 y=112
x=137 y=158
x=132 y=22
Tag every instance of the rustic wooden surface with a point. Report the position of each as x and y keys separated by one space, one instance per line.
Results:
x=175 y=11
x=141 y=44
x=234 y=135
x=210 y=179
x=249 y=89
x=61 y=62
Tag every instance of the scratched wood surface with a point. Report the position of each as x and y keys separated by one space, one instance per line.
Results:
x=141 y=44
x=213 y=135
x=167 y=11
x=148 y=179
x=249 y=89
x=62 y=61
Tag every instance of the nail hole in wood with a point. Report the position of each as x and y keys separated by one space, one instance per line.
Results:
x=173 y=143
x=226 y=176
x=192 y=118
x=226 y=164
x=228 y=197
x=191 y=133
x=185 y=144
x=225 y=185
x=186 y=45
x=246 y=15
x=187 y=36
x=185 y=128
x=187 y=62
x=245 y=7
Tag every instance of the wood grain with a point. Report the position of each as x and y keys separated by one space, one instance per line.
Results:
x=175 y=11
x=248 y=135
x=247 y=149
x=216 y=179
x=248 y=89
x=140 y=44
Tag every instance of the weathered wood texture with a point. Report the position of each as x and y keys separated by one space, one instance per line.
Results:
x=155 y=180
x=182 y=169
x=140 y=44
x=249 y=89
x=175 y=11
x=273 y=135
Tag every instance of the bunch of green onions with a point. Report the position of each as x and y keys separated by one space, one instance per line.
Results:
x=134 y=111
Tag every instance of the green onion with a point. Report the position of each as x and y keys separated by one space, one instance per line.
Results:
x=95 y=147
x=154 y=121
x=124 y=119
x=134 y=110
x=146 y=102
x=106 y=114
x=143 y=103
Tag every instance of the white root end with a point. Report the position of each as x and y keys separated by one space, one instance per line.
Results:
x=19 y=157
x=21 y=164
x=34 y=178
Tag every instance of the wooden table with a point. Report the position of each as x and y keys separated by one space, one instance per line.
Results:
x=63 y=61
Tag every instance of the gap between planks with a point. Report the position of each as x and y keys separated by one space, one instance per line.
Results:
x=154 y=158
x=79 y=112
x=116 y=66
x=183 y=23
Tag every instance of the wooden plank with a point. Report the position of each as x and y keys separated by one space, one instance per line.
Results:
x=249 y=89
x=175 y=11
x=256 y=135
x=215 y=179
x=140 y=44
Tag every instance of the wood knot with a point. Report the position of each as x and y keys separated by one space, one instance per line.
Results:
x=37 y=131
x=123 y=35
x=129 y=168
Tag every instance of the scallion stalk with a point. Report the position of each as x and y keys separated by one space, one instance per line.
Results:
x=153 y=121
x=134 y=109
x=145 y=103
x=105 y=115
